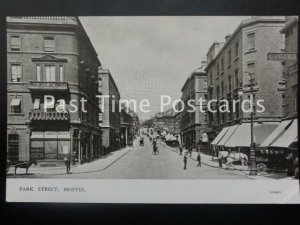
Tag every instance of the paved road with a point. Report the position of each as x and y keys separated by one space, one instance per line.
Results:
x=140 y=163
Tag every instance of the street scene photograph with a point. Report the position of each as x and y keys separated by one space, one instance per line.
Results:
x=152 y=97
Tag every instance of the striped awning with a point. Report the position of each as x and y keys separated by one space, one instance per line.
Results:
x=288 y=137
x=220 y=135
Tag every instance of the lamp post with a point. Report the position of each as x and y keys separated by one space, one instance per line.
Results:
x=253 y=169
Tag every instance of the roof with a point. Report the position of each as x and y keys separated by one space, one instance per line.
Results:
x=53 y=21
x=107 y=72
x=291 y=20
x=196 y=72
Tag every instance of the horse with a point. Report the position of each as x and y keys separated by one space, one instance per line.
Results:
x=231 y=157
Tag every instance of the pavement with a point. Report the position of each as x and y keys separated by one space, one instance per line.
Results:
x=97 y=165
x=208 y=160
x=139 y=162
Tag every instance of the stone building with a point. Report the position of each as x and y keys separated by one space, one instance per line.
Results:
x=290 y=30
x=109 y=117
x=229 y=65
x=126 y=121
x=135 y=123
x=51 y=56
x=193 y=124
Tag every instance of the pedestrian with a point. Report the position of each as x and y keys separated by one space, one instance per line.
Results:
x=185 y=160
x=180 y=150
x=289 y=165
x=199 y=160
x=67 y=162
x=190 y=151
x=220 y=159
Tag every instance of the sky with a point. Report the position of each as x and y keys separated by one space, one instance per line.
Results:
x=153 y=56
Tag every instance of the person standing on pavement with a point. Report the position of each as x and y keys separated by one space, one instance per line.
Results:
x=185 y=160
x=67 y=162
x=199 y=160
x=220 y=158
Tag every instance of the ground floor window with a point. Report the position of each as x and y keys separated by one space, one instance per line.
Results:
x=13 y=147
x=49 y=146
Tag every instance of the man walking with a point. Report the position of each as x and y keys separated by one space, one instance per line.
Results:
x=199 y=160
x=185 y=160
x=180 y=150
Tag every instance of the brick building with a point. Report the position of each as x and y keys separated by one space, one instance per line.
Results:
x=109 y=118
x=193 y=124
x=228 y=66
x=51 y=56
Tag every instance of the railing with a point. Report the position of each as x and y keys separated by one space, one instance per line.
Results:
x=60 y=18
x=43 y=19
x=40 y=85
x=41 y=115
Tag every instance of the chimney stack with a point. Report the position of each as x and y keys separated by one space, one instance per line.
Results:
x=227 y=37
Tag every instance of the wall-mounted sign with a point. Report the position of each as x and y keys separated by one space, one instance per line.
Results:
x=282 y=56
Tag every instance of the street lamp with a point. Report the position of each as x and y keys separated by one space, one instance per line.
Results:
x=253 y=169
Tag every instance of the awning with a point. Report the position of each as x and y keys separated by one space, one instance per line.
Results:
x=276 y=133
x=15 y=102
x=288 y=136
x=242 y=135
x=219 y=136
x=228 y=134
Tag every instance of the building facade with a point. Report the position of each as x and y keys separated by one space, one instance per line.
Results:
x=193 y=124
x=230 y=63
x=135 y=123
x=51 y=56
x=290 y=31
x=109 y=117
x=126 y=128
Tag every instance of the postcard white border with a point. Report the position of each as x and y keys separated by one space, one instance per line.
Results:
x=155 y=191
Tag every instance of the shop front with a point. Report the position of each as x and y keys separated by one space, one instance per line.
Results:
x=49 y=145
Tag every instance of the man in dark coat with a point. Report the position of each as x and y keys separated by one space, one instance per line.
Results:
x=199 y=160
x=67 y=162
x=185 y=160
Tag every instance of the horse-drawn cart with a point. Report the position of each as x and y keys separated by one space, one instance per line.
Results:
x=18 y=164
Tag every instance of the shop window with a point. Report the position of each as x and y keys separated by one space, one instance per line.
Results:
x=13 y=147
x=37 y=149
x=50 y=149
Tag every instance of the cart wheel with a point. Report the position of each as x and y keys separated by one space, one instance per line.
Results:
x=261 y=167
